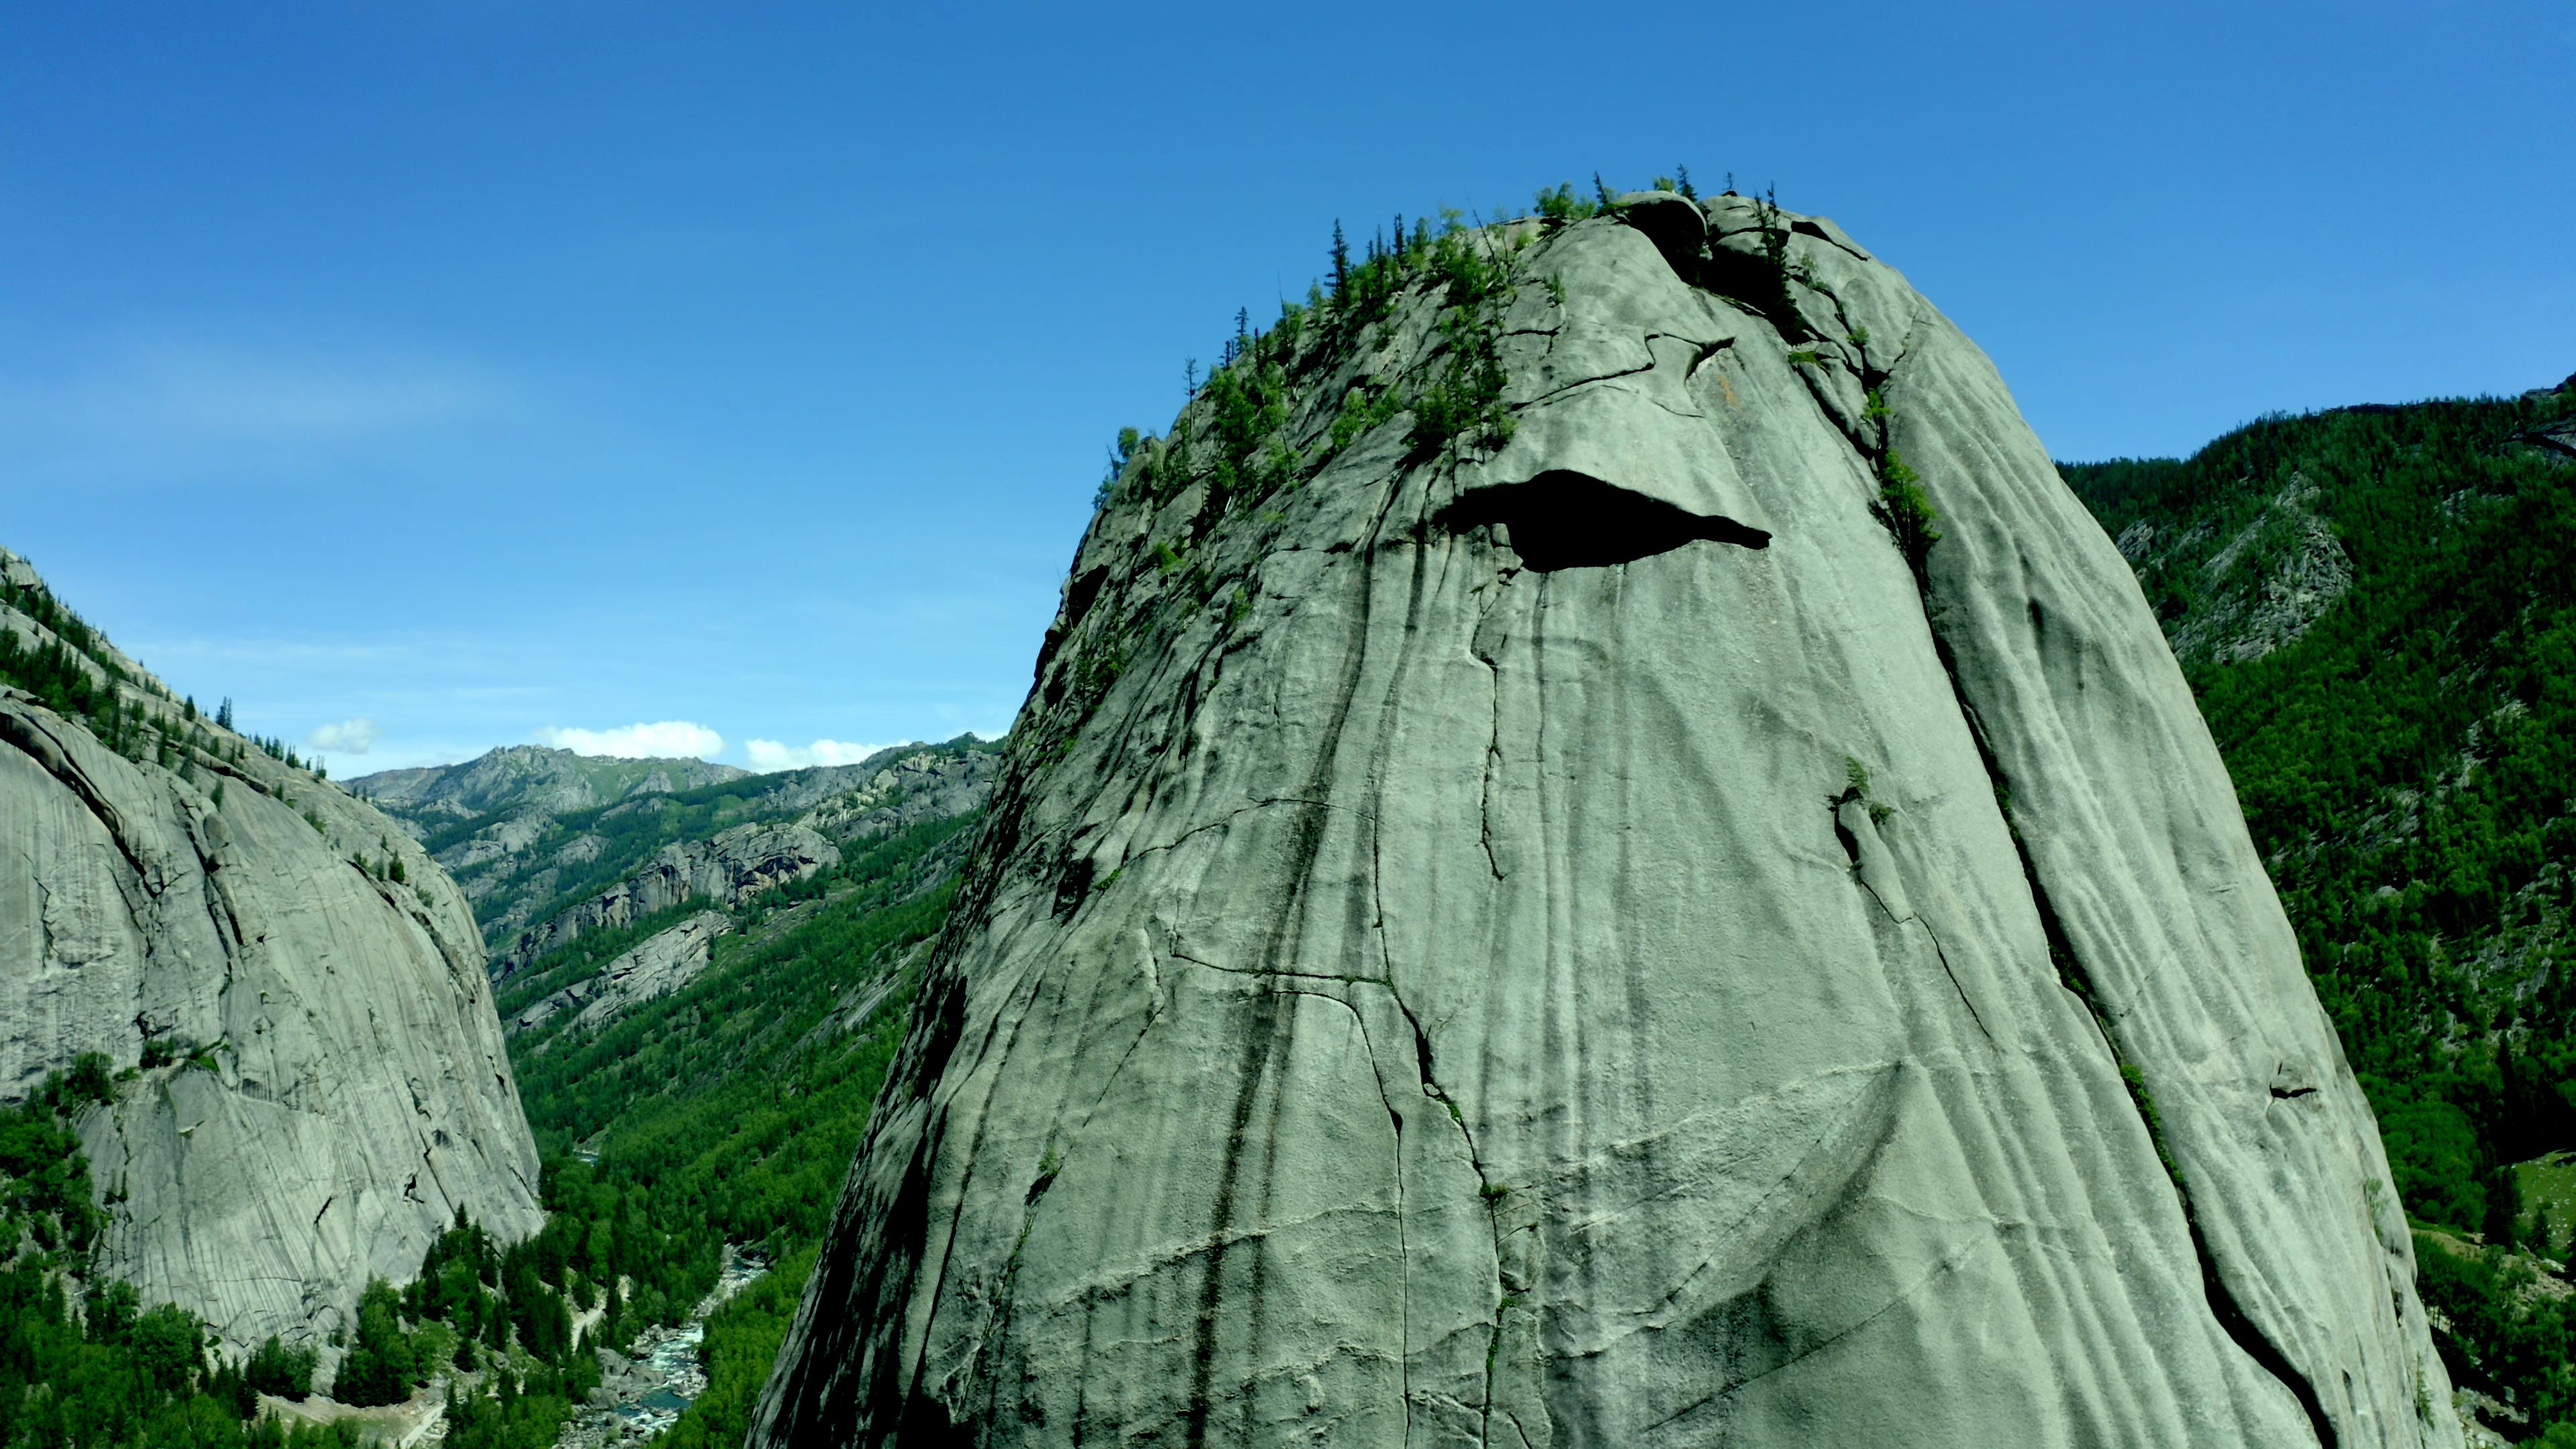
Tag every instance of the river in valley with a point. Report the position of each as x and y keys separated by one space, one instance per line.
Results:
x=642 y=1395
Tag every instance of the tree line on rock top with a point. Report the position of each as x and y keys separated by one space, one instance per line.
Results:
x=1232 y=436
x=1236 y=449
x=77 y=676
x=2404 y=768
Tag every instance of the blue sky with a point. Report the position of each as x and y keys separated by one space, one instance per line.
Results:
x=442 y=376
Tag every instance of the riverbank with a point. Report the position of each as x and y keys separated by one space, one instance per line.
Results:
x=641 y=1395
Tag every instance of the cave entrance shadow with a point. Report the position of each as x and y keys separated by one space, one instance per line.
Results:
x=1562 y=519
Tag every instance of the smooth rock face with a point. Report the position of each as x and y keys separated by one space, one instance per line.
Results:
x=355 y=1094
x=1433 y=973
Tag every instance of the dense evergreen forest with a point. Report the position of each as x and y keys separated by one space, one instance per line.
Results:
x=728 y=1111
x=2407 y=765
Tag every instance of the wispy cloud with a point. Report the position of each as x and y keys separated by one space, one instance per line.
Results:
x=768 y=755
x=664 y=739
x=157 y=400
x=348 y=737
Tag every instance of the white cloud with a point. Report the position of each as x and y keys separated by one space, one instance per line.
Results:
x=348 y=737
x=666 y=739
x=768 y=755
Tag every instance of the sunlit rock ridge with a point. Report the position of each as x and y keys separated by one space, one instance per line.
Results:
x=315 y=1078
x=1574 y=933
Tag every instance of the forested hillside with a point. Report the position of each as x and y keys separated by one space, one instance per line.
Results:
x=732 y=1107
x=2377 y=610
x=707 y=1093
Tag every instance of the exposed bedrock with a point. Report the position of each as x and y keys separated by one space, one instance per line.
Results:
x=1579 y=942
x=317 y=1083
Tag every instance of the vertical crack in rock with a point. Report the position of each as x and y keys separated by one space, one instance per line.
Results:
x=1489 y=1193
x=1944 y=958
x=1851 y=847
x=1494 y=735
x=1261 y=1038
x=2224 y=1308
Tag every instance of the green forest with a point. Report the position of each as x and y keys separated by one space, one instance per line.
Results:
x=2406 y=767
x=102 y=1369
x=728 y=1111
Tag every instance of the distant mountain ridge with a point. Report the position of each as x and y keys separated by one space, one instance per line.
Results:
x=534 y=834
x=519 y=776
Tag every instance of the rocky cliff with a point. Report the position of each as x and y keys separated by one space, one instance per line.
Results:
x=657 y=966
x=313 y=1078
x=1602 y=855
x=731 y=866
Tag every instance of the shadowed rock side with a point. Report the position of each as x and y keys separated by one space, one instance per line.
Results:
x=332 y=1087
x=1434 y=975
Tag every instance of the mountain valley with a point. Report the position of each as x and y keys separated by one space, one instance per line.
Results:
x=1601 y=849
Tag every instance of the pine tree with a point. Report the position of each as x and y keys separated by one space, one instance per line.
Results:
x=2504 y=1206
x=1341 y=260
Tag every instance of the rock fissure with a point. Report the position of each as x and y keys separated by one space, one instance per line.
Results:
x=1490 y=1193
x=1562 y=389
x=2221 y=1301
x=30 y=739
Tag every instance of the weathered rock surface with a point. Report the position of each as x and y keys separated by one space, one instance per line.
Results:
x=661 y=964
x=1434 y=974
x=732 y=866
x=874 y=800
x=354 y=1092
x=2263 y=587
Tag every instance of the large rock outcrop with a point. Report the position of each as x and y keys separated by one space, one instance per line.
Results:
x=320 y=1082
x=655 y=967
x=731 y=866
x=1585 y=938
